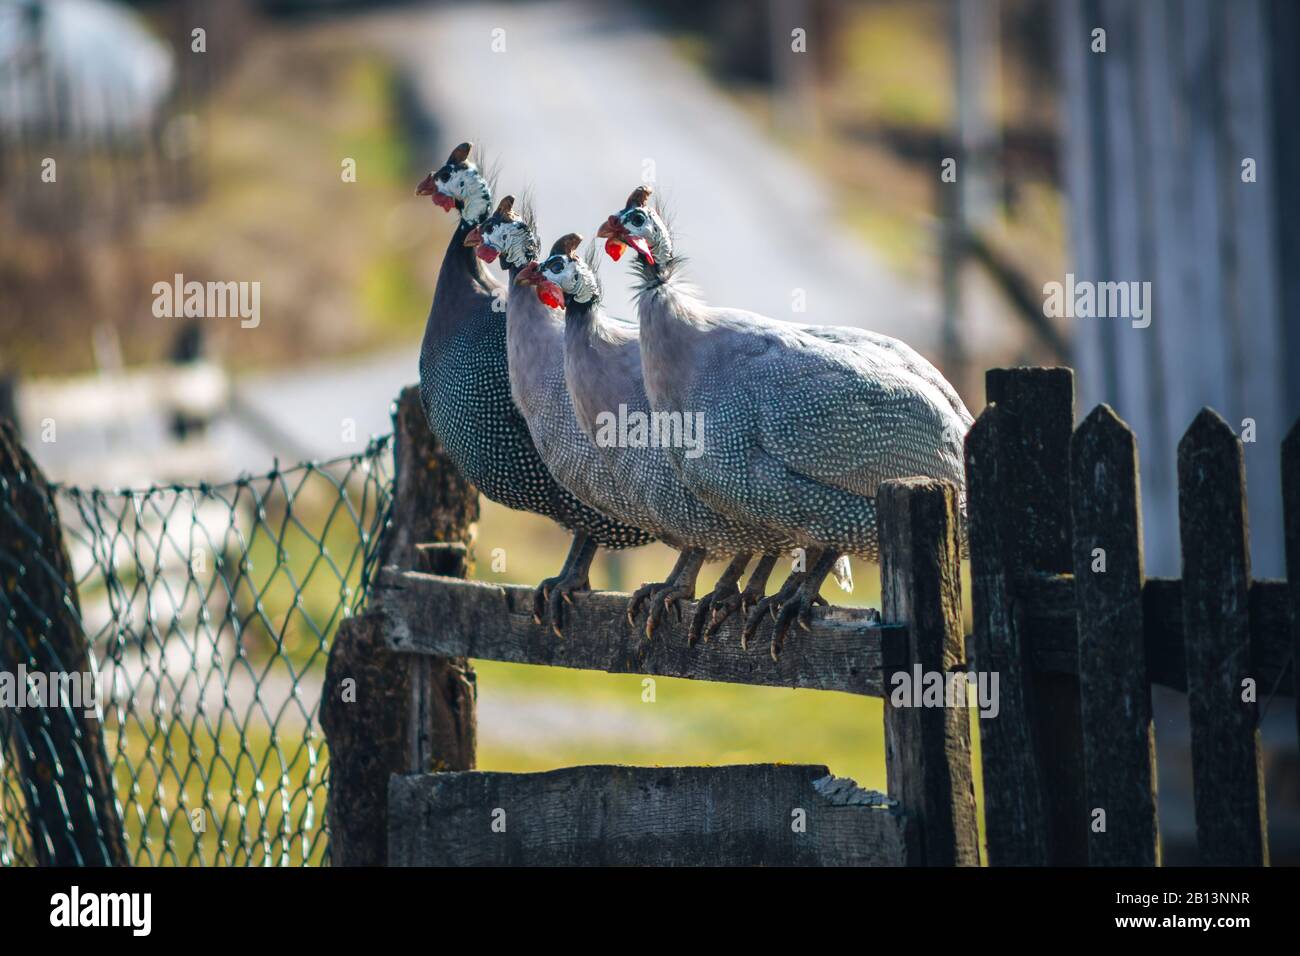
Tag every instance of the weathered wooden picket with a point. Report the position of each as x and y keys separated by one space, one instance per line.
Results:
x=1062 y=614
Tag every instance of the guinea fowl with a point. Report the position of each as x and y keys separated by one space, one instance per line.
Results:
x=535 y=356
x=465 y=390
x=807 y=422
x=602 y=365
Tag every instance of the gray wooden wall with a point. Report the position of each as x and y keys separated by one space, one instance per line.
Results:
x=1155 y=130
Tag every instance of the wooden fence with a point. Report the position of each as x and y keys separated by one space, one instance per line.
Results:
x=1063 y=615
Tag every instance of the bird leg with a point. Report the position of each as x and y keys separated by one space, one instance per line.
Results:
x=680 y=588
x=642 y=594
x=808 y=595
x=772 y=603
x=661 y=595
x=554 y=593
x=724 y=590
x=742 y=601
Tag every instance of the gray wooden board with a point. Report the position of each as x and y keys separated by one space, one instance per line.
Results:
x=429 y=614
x=743 y=815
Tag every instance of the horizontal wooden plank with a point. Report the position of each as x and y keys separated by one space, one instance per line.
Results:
x=1048 y=601
x=743 y=815
x=450 y=617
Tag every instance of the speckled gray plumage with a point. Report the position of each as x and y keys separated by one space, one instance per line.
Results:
x=535 y=350
x=465 y=390
x=803 y=426
x=603 y=370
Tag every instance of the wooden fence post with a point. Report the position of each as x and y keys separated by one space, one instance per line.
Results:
x=387 y=713
x=1017 y=468
x=1118 y=735
x=72 y=810
x=927 y=749
x=1291 y=509
x=1227 y=774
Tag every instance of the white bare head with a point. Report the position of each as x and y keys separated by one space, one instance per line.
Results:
x=507 y=234
x=458 y=184
x=564 y=273
x=640 y=226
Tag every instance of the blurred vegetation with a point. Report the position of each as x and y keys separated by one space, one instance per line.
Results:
x=340 y=263
x=345 y=267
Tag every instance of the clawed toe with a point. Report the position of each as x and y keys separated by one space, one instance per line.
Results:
x=663 y=602
x=704 y=612
x=797 y=610
x=722 y=609
x=561 y=595
x=541 y=595
x=639 y=597
x=556 y=607
x=761 y=609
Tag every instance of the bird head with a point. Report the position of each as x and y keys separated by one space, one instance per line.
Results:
x=504 y=233
x=563 y=273
x=638 y=225
x=458 y=184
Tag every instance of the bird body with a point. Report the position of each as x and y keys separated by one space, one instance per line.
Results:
x=465 y=385
x=603 y=370
x=805 y=422
x=535 y=359
x=803 y=429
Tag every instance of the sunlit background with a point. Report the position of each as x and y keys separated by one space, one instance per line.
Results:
x=806 y=187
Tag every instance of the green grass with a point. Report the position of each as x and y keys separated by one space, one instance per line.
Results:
x=688 y=723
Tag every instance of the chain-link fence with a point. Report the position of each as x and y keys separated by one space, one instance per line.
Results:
x=204 y=615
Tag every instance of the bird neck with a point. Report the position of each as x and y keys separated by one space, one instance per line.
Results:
x=583 y=317
x=461 y=261
x=476 y=206
x=534 y=344
x=463 y=282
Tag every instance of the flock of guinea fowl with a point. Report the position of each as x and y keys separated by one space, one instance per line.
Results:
x=792 y=427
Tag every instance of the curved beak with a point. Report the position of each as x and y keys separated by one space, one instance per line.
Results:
x=475 y=238
x=427 y=186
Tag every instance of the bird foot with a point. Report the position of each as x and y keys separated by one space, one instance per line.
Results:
x=770 y=605
x=724 y=599
x=639 y=597
x=665 y=601
x=553 y=594
x=798 y=610
x=722 y=604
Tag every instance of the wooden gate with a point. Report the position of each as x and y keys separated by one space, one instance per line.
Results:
x=1063 y=616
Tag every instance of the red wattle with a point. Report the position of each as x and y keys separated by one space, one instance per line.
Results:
x=614 y=249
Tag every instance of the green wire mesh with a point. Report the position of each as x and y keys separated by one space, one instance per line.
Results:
x=209 y=611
